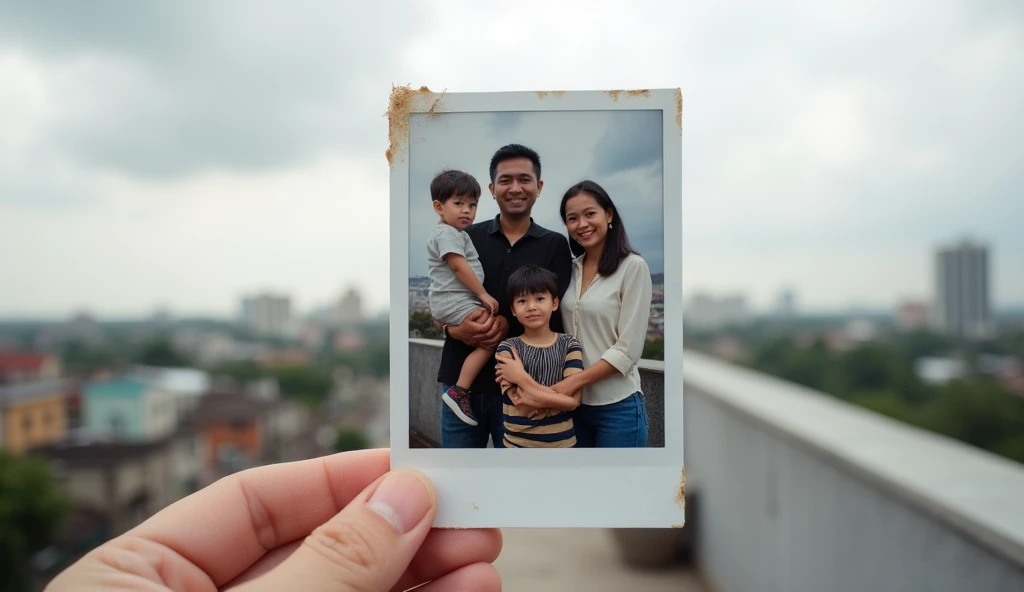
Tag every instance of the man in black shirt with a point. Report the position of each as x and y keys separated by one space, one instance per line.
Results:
x=512 y=239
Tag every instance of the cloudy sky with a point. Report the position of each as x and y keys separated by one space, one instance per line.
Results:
x=186 y=153
x=620 y=150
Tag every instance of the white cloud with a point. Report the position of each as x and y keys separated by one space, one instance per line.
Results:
x=154 y=156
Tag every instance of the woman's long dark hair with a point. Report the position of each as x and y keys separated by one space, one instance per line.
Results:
x=616 y=243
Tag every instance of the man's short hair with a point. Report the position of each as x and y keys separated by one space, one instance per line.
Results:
x=450 y=183
x=532 y=279
x=514 y=151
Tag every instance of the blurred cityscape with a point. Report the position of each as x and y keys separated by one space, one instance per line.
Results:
x=948 y=363
x=130 y=415
x=105 y=422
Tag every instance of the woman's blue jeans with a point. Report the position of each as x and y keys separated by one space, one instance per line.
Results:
x=619 y=425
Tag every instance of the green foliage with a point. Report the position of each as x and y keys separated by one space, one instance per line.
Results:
x=350 y=439
x=881 y=377
x=424 y=323
x=32 y=506
x=654 y=349
x=160 y=353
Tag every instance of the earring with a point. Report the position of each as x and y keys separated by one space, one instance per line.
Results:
x=609 y=225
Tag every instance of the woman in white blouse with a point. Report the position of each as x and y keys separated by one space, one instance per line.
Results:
x=606 y=308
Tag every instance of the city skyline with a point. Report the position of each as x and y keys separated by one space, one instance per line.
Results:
x=189 y=165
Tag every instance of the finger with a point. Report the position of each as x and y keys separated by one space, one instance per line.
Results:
x=479 y=577
x=226 y=527
x=443 y=551
x=367 y=546
x=446 y=551
x=264 y=564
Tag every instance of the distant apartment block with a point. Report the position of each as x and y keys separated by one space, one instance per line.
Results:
x=268 y=315
x=22 y=367
x=349 y=310
x=32 y=414
x=33 y=400
x=129 y=409
x=962 y=296
x=707 y=313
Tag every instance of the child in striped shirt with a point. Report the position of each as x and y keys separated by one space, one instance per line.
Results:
x=534 y=361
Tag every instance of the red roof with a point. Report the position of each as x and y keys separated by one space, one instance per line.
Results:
x=20 y=361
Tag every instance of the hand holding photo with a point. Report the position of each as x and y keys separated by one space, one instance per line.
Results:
x=529 y=333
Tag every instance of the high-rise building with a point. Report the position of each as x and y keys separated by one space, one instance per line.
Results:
x=962 y=297
x=708 y=312
x=267 y=315
x=349 y=310
x=785 y=305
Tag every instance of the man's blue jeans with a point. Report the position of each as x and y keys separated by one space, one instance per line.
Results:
x=487 y=409
x=619 y=425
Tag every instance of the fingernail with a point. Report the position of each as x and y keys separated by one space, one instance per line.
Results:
x=403 y=499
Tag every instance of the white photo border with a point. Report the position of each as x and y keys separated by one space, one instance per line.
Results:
x=496 y=487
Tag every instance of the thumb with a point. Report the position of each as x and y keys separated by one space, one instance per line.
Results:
x=368 y=545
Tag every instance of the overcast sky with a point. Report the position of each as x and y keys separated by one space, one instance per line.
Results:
x=187 y=153
x=620 y=150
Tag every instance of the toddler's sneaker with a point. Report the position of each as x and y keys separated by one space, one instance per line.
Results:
x=457 y=399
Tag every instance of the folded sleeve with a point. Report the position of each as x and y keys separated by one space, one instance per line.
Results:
x=634 y=314
x=449 y=241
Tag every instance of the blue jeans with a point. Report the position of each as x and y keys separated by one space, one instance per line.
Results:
x=490 y=423
x=619 y=425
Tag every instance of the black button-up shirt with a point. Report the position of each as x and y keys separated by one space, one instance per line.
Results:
x=499 y=259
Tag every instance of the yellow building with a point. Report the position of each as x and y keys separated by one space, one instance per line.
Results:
x=32 y=414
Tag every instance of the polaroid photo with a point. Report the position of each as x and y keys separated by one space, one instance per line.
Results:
x=536 y=293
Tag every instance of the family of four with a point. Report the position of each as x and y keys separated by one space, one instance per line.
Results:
x=542 y=334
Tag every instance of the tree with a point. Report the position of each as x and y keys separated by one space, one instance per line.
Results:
x=160 y=353
x=350 y=439
x=32 y=506
x=654 y=349
x=424 y=323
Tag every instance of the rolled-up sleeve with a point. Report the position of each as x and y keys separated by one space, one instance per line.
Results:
x=634 y=314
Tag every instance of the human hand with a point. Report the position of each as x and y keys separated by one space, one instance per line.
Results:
x=474 y=328
x=341 y=522
x=510 y=369
x=490 y=303
x=496 y=334
x=541 y=413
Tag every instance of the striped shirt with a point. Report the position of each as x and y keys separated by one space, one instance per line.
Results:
x=546 y=365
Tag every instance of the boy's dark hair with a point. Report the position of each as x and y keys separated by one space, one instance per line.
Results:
x=514 y=151
x=450 y=183
x=532 y=279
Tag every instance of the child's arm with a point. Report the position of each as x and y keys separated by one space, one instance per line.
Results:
x=465 y=274
x=536 y=395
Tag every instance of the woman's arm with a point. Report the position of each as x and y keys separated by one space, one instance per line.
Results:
x=634 y=313
x=631 y=327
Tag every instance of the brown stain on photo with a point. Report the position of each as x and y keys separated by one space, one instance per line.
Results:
x=475 y=507
x=640 y=92
x=681 y=495
x=399 y=106
x=543 y=94
x=679 y=110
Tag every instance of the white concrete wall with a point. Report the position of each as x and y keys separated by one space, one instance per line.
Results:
x=798 y=492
